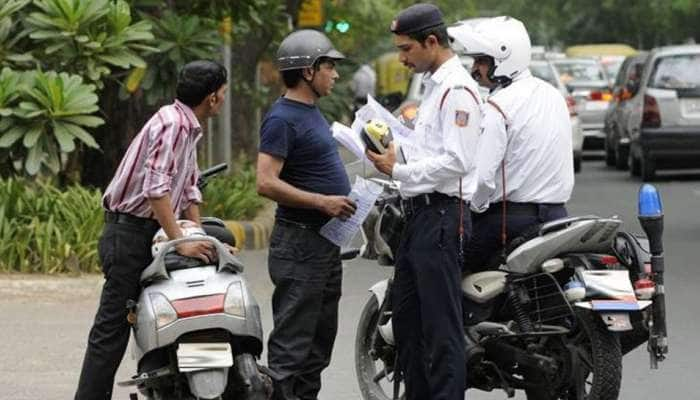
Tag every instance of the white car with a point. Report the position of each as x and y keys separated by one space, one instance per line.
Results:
x=545 y=70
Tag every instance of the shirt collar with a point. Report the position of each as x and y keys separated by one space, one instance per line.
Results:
x=443 y=71
x=189 y=114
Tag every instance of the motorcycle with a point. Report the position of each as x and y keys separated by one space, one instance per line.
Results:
x=553 y=319
x=196 y=326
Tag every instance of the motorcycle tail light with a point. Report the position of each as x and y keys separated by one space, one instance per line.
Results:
x=644 y=288
x=234 y=303
x=163 y=310
x=199 y=305
x=609 y=260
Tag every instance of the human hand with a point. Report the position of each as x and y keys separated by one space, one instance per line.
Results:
x=233 y=250
x=338 y=206
x=202 y=250
x=384 y=163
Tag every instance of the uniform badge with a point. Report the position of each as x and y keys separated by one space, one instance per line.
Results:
x=394 y=25
x=461 y=118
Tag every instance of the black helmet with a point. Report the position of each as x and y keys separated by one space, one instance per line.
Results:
x=301 y=49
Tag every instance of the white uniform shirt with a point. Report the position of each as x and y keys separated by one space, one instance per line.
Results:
x=536 y=145
x=446 y=138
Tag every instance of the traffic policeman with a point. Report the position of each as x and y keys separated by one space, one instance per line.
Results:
x=299 y=167
x=436 y=183
x=524 y=162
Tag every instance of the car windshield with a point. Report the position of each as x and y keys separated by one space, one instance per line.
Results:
x=612 y=67
x=677 y=72
x=579 y=71
x=544 y=72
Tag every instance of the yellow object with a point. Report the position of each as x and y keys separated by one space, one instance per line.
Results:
x=133 y=81
x=600 y=50
x=377 y=136
x=392 y=76
x=310 y=14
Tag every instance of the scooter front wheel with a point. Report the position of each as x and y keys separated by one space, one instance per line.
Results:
x=374 y=362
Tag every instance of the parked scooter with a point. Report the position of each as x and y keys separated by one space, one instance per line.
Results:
x=197 y=327
x=572 y=297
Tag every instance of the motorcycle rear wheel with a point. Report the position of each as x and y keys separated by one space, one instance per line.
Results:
x=600 y=362
x=366 y=367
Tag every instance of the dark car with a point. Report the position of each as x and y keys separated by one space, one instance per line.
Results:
x=625 y=89
x=665 y=117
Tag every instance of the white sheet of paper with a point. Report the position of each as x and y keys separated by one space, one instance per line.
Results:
x=350 y=139
x=364 y=193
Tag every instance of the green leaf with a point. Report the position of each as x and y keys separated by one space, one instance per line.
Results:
x=11 y=136
x=63 y=136
x=33 y=161
x=32 y=136
x=81 y=134
x=84 y=120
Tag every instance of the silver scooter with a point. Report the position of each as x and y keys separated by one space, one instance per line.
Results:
x=197 y=328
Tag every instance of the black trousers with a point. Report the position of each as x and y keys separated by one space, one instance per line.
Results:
x=307 y=273
x=124 y=250
x=427 y=303
x=486 y=242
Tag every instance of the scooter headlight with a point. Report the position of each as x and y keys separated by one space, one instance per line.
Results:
x=164 y=311
x=234 y=303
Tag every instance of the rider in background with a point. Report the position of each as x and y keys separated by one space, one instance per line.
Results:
x=524 y=163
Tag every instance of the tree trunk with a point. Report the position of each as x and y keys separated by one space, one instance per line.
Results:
x=247 y=52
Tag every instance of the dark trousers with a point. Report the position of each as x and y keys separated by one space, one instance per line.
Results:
x=307 y=273
x=427 y=303
x=486 y=242
x=124 y=250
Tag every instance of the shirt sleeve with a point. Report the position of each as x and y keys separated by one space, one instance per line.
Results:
x=160 y=162
x=192 y=192
x=276 y=137
x=491 y=150
x=459 y=123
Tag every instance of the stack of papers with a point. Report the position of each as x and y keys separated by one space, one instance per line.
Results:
x=350 y=136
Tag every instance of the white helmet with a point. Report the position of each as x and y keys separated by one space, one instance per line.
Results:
x=503 y=38
x=187 y=227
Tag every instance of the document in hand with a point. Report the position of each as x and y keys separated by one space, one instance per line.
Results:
x=364 y=193
x=349 y=138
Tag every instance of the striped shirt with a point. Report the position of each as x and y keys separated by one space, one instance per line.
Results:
x=161 y=159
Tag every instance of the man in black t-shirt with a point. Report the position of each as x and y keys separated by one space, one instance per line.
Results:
x=299 y=167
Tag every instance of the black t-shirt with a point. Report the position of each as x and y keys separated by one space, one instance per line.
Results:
x=299 y=134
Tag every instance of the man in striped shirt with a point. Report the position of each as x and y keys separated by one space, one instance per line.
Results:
x=155 y=184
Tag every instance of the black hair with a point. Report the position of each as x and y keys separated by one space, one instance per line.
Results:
x=292 y=77
x=440 y=33
x=198 y=79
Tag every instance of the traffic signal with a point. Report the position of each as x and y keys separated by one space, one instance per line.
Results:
x=341 y=26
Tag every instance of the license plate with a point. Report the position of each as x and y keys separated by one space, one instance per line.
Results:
x=596 y=105
x=690 y=108
x=199 y=356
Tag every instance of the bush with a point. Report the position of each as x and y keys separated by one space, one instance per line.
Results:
x=233 y=196
x=45 y=229
x=48 y=230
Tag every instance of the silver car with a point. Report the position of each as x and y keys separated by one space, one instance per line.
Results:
x=588 y=83
x=665 y=118
x=545 y=70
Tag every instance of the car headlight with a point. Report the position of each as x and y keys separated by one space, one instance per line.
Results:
x=234 y=303
x=164 y=311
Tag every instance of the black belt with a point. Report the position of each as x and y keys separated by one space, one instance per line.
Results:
x=121 y=218
x=287 y=222
x=413 y=204
x=513 y=208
